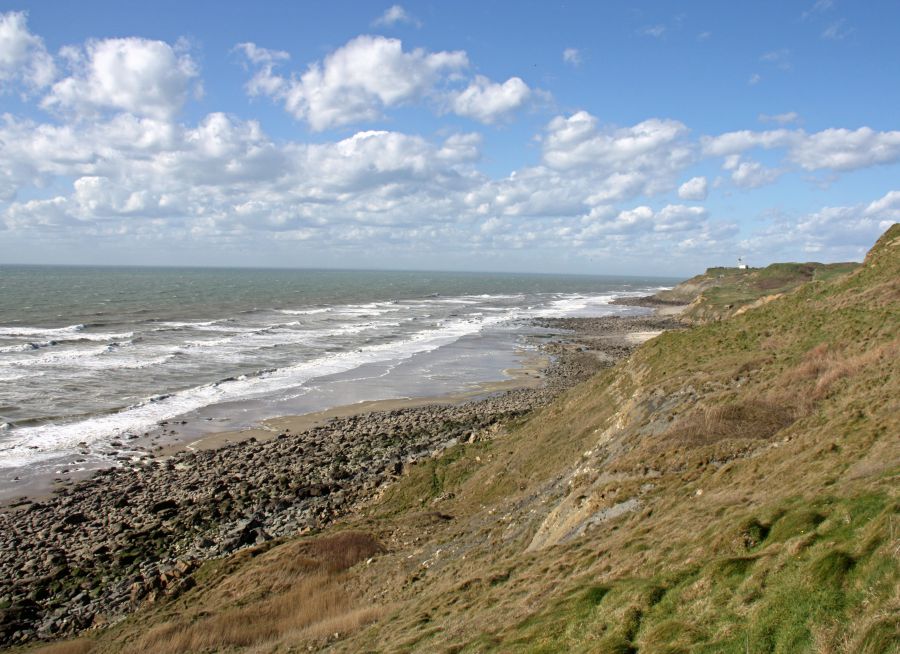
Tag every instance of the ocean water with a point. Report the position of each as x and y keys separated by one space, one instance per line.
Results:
x=89 y=356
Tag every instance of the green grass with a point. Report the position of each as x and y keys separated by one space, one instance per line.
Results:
x=711 y=609
x=720 y=292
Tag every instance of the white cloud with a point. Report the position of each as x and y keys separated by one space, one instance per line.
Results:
x=834 y=232
x=736 y=142
x=837 y=31
x=396 y=14
x=819 y=7
x=829 y=149
x=844 y=149
x=653 y=151
x=782 y=119
x=655 y=31
x=886 y=208
x=133 y=170
x=488 y=102
x=778 y=58
x=264 y=81
x=139 y=76
x=224 y=181
x=572 y=56
x=749 y=174
x=695 y=188
x=259 y=56
x=356 y=81
x=23 y=57
x=225 y=176
x=670 y=220
x=754 y=79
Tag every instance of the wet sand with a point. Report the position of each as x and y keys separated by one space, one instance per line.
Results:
x=529 y=375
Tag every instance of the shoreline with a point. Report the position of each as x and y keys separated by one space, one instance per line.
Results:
x=528 y=375
x=93 y=551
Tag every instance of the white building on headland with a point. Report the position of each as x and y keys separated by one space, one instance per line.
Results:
x=741 y=264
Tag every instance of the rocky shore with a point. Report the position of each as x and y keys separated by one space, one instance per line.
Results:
x=98 y=549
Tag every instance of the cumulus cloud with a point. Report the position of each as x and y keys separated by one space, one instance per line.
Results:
x=693 y=189
x=572 y=56
x=225 y=176
x=750 y=174
x=355 y=82
x=886 y=209
x=831 y=149
x=136 y=170
x=261 y=56
x=739 y=141
x=23 y=57
x=140 y=76
x=396 y=14
x=670 y=220
x=844 y=149
x=833 y=232
x=488 y=102
x=654 y=150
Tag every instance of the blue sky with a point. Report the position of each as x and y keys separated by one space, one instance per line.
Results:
x=642 y=138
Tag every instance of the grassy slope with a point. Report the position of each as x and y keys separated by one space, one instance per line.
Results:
x=722 y=292
x=730 y=488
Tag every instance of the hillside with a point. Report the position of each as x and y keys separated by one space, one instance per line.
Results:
x=722 y=292
x=727 y=488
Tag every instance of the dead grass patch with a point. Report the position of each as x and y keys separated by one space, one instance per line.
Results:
x=344 y=550
x=294 y=593
x=750 y=419
x=825 y=365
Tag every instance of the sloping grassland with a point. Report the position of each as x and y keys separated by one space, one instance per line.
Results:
x=728 y=488
x=722 y=292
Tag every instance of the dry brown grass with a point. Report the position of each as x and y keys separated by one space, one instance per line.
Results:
x=824 y=366
x=295 y=594
x=345 y=549
x=752 y=419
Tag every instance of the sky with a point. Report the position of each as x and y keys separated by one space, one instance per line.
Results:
x=644 y=138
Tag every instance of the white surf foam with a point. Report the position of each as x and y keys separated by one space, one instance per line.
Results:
x=53 y=439
x=304 y=312
x=40 y=331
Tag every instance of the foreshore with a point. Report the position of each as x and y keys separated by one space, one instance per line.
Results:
x=94 y=550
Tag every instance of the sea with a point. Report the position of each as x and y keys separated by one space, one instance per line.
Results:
x=93 y=359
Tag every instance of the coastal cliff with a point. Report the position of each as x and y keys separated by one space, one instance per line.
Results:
x=725 y=488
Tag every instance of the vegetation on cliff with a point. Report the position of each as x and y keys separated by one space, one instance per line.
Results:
x=722 y=292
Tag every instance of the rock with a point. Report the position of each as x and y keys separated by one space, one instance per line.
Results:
x=164 y=505
x=75 y=519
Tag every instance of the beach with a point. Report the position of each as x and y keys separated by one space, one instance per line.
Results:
x=92 y=550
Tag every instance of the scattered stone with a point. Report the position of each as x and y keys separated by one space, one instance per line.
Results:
x=100 y=548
